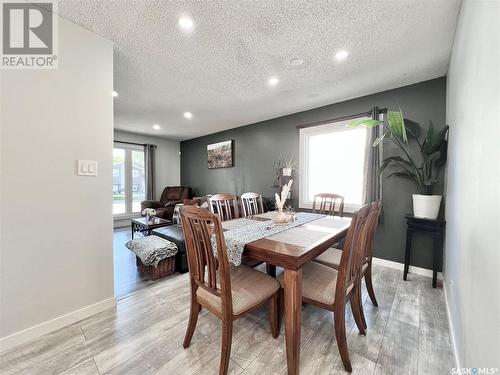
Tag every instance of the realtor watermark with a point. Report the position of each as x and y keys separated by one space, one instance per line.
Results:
x=29 y=34
x=474 y=371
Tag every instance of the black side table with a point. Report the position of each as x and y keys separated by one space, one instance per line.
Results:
x=434 y=228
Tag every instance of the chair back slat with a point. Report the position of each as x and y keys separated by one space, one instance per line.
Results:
x=373 y=221
x=209 y=258
x=224 y=205
x=251 y=204
x=352 y=253
x=206 y=270
x=329 y=204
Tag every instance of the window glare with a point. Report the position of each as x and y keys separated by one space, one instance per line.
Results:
x=336 y=164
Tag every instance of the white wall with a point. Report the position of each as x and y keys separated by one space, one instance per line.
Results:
x=168 y=162
x=56 y=227
x=472 y=262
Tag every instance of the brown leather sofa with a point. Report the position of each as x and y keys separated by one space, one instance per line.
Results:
x=171 y=196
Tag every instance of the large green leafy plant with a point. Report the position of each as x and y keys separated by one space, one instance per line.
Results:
x=422 y=169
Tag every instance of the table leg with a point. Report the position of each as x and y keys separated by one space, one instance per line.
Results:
x=132 y=228
x=293 y=306
x=407 y=253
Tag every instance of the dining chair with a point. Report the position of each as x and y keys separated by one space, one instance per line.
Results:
x=328 y=204
x=226 y=291
x=332 y=256
x=251 y=204
x=224 y=205
x=332 y=289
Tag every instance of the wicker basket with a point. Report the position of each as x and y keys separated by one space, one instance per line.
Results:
x=165 y=267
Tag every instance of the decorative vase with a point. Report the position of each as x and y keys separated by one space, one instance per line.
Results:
x=426 y=206
x=281 y=217
x=149 y=219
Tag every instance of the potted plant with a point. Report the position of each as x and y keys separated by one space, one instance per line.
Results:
x=422 y=169
x=288 y=165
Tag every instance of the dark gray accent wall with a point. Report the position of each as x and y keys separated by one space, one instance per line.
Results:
x=257 y=145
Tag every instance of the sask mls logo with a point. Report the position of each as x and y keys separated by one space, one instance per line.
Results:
x=29 y=34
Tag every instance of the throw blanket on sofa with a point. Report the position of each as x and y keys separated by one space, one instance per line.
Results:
x=152 y=249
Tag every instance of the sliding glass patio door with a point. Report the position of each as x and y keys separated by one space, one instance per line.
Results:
x=129 y=184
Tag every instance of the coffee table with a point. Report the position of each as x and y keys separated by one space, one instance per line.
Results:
x=143 y=226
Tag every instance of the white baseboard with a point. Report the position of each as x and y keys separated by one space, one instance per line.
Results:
x=400 y=266
x=452 y=334
x=39 y=330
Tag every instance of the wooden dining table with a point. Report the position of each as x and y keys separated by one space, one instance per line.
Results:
x=291 y=249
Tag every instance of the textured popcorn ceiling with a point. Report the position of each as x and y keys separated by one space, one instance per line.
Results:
x=219 y=70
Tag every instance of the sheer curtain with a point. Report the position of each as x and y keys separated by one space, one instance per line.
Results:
x=149 y=169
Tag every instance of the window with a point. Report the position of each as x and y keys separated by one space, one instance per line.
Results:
x=333 y=159
x=129 y=185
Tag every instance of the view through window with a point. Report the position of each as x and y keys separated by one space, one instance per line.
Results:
x=129 y=185
x=119 y=206
x=333 y=158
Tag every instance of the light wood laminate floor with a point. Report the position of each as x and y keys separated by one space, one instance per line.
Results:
x=127 y=278
x=407 y=334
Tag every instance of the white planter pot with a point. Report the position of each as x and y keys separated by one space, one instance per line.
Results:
x=287 y=172
x=426 y=206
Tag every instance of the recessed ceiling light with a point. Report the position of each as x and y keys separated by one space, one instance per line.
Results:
x=188 y=115
x=115 y=94
x=341 y=55
x=273 y=81
x=296 y=61
x=186 y=23
x=156 y=127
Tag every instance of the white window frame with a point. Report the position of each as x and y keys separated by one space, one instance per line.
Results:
x=128 y=180
x=305 y=134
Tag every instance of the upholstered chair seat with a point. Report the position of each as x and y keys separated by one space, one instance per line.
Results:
x=331 y=258
x=249 y=288
x=318 y=283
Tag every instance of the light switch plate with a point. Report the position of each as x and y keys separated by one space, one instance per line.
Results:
x=86 y=168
